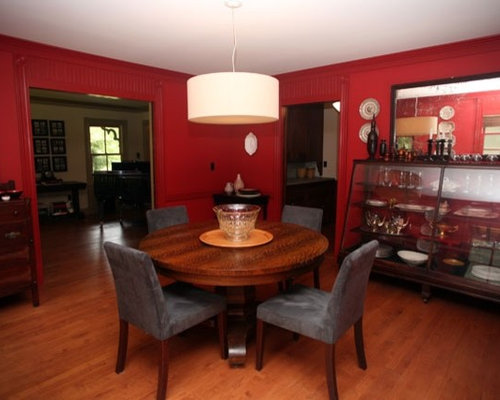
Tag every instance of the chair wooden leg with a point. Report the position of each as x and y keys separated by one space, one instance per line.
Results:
x=259 y=344
x=331 y=377
x=360 y=347
x=161 y=392
x=316 y=277
x=122 y=346
x=222 y=330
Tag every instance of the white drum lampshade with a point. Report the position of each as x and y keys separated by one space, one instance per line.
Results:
x=233 y=98
x=416 y=126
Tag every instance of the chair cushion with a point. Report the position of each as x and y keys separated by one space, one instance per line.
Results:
x=301 y=309
x=188 y=306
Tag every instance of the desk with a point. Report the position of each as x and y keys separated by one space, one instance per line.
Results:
x=179 y=254
x=64 y=186
x=223 y=198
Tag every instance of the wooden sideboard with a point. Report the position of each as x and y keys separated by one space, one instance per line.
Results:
x=17 y=263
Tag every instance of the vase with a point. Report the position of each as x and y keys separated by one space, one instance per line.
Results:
x=238 y=183
x=383 y=148
x=229 y=188
x=372 y=140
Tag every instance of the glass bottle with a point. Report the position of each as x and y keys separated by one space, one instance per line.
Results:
x=372 y=140
x=383 y=148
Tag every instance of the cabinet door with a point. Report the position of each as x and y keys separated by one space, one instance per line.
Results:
x=304 y=133
x=469 y=235
x=393 y=203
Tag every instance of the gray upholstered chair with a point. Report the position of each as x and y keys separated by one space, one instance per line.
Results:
x=160 y=312
x=167 y=216
x=308 y=217
x=324 y=316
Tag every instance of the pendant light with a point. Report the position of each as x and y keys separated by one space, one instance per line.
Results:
x=233 y=98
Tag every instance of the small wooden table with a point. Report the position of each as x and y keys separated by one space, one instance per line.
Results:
x=178 y=253
x=65 y=186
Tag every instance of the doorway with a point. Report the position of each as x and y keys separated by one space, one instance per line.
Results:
x=311 y=152
x=70 y=110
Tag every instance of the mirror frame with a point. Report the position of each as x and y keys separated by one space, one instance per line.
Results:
x=395 y=88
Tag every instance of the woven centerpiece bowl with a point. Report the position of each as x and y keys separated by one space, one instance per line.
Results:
x=236 y=220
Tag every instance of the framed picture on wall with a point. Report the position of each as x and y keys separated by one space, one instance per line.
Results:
x=59 y=164
x=57 y=146
x=39 y=127
x=42 y=164
x=41 y=146
x=56 y=128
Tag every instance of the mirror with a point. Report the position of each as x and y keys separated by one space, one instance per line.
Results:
x=465 y=112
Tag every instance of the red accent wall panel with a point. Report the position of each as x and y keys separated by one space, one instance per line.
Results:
x=10 y=160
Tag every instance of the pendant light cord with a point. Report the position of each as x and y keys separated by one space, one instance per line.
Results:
x=234 y=40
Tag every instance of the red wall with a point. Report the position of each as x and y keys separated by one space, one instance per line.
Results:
x=184 y=151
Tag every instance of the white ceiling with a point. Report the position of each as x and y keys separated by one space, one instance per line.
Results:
x=274 y=36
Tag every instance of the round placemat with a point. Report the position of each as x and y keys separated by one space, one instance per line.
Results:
x=216 y=237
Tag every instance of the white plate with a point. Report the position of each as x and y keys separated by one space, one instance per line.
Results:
x=365 y=130
x=446 y=127
x=248 y=196
x=376 y=203
x=447 y=112
x=368 y=108
x=414 y=207
x=486 y=272
x=250 y=143
x=476 y=212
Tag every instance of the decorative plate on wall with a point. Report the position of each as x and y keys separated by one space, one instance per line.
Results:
x=365 y=130
x=368 y=108
x=446 y=127
x=250 y=143
x=447 y=112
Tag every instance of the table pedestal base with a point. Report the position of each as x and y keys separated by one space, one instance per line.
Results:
x=240 y=321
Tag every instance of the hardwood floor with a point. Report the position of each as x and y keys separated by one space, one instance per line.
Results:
x=66 y=348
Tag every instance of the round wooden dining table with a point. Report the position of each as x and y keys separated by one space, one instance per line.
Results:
x=178 y=253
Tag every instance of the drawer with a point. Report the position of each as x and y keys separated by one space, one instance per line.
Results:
x=14 y=210
x=14 y=235
x=16 y=257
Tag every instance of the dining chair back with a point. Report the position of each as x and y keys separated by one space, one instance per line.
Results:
x=321 y=315
x=308 y=217
x=159 y=311
x=167 y=216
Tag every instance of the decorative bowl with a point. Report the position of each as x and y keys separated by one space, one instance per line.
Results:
x=236 y=220
x=383 y=251
x=14 y=194
x=412 y=258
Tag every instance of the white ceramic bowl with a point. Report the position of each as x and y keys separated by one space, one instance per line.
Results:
x=412 y=258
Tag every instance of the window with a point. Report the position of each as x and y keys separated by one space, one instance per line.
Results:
x=491 y=134
x=105 y=146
